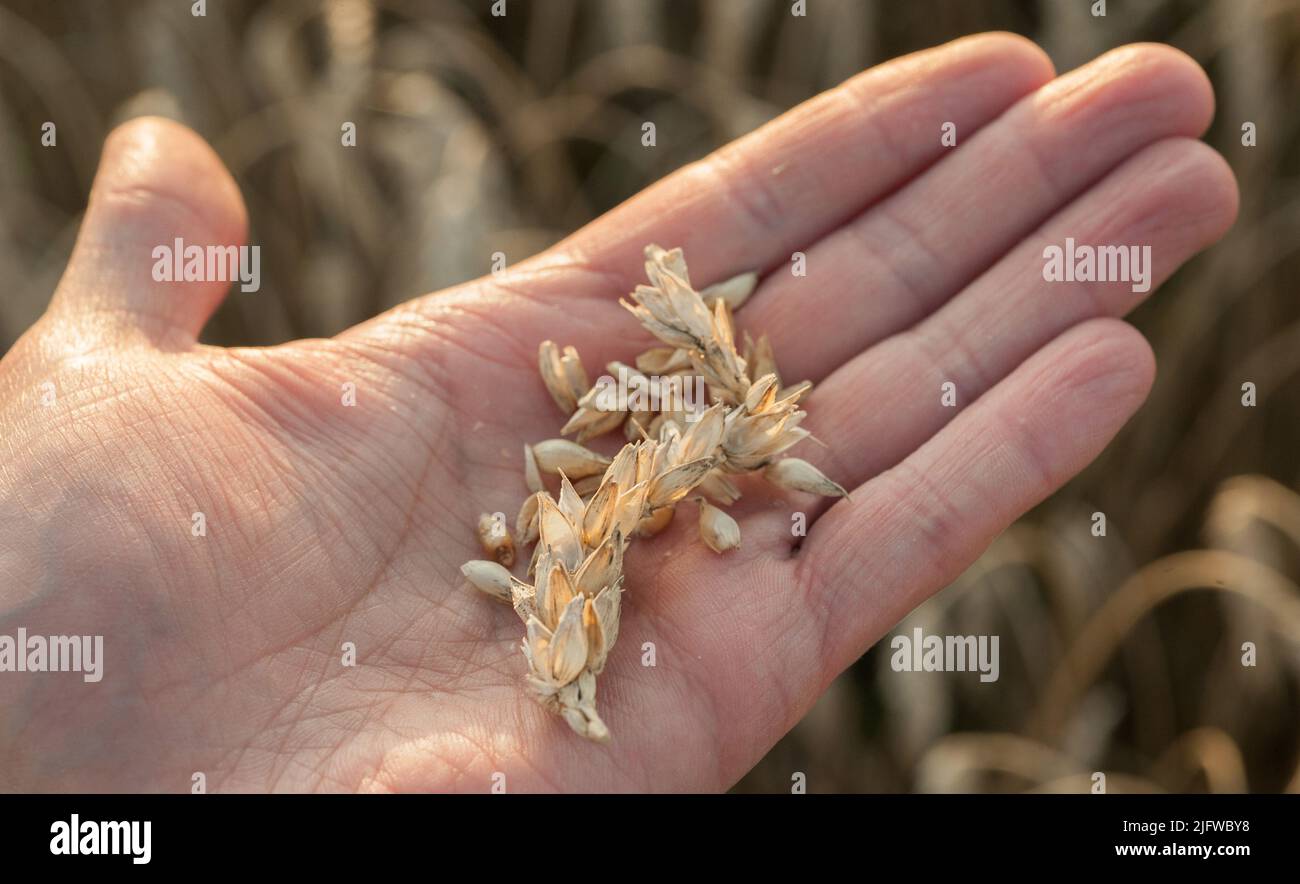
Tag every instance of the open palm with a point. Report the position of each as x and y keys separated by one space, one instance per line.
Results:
x=328 y=523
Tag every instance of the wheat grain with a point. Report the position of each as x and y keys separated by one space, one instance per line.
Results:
x=718 y=530
x=734 y=291
x=496 y=540
x=560 y=455
x=490 y=578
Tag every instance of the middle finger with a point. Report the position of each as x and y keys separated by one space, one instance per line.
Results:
x=904 y=257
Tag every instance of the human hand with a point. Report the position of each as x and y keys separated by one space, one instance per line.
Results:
x=328 y=524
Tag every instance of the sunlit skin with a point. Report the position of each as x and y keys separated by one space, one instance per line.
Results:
x=329 y=524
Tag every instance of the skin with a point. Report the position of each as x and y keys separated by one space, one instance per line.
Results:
x=329 y=524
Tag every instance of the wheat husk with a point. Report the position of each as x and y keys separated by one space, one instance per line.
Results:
x=532 y=473
x=799 y=475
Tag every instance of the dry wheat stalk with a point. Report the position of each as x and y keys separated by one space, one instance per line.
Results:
x=571 y=609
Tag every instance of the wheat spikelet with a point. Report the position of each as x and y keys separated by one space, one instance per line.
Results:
x=571 y=609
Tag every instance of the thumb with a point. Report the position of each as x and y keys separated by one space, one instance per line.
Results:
x=157 y=182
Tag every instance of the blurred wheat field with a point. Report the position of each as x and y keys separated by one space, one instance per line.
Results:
x=479 y=134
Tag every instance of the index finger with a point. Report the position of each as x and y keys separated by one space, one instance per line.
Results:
x=748 y=205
